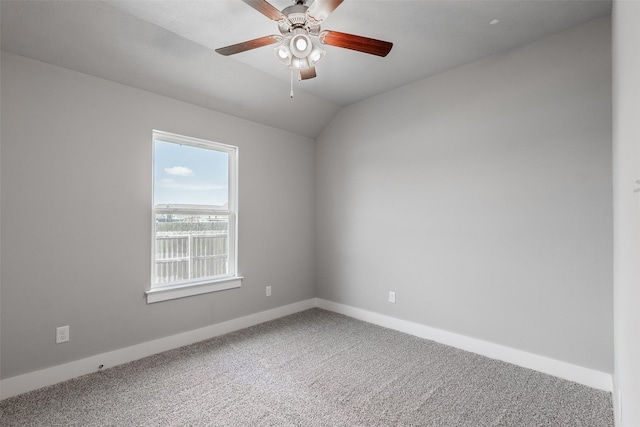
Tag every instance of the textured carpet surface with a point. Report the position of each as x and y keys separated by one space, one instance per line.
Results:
x=314 y=368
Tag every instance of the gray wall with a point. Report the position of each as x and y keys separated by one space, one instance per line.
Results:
x=626 y=205
x=76 y=218
x=482 y=197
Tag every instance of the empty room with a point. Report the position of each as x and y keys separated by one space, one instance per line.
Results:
x=319 y=213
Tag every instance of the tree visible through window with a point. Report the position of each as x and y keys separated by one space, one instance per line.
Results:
x=194 y=212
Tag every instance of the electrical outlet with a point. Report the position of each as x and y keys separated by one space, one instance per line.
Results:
x=268 y=291
x=62 y=334
x=392 y=297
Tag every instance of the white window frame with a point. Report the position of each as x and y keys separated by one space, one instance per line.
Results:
x=164 y=292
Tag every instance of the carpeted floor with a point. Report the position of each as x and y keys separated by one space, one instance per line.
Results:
x=314 y=368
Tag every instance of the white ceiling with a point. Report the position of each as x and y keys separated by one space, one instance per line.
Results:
x=167 y=47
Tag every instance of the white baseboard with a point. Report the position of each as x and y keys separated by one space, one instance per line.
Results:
x=616 y=398
x=557 y=368
x=45 y=377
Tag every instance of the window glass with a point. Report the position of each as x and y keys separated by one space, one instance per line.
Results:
x=185 y=174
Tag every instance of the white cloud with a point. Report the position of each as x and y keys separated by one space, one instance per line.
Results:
x=179 y=170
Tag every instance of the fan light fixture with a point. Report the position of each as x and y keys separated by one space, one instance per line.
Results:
x=300 y=45
x=298 y=52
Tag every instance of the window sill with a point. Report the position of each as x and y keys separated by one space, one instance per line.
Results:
x=181 y=291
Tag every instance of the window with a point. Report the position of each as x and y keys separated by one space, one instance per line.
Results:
x=194 y=217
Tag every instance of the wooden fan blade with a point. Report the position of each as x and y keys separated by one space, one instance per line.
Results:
x=248 y=45
x=307 y=73
x=320 y=9
x=359 y=43
x=267 y=9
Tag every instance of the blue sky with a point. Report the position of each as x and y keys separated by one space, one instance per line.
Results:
x=190 y=175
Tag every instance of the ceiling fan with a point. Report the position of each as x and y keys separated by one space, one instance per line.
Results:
x=300 y=36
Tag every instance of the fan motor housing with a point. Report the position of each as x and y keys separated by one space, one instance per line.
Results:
x=297 y=18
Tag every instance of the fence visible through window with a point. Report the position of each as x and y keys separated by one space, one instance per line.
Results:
x=194 y=248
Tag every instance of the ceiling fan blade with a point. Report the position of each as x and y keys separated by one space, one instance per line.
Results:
x=359 y=43
x=307 y=73
x=320 y=9
x=267 y=9
x=248 y=45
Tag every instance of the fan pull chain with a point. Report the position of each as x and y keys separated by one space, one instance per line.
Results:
x=291 y=93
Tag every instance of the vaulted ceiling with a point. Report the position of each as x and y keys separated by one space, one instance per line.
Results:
x=167 y=47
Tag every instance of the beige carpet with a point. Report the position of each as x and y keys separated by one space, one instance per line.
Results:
x=314 y=368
